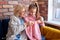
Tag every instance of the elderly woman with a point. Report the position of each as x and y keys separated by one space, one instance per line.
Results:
x=16 y=30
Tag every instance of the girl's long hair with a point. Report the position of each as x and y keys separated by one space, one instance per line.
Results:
x=37 y=12
x=36 y=4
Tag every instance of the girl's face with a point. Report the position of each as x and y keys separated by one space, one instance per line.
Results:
x=32 y=11
x=22 y=13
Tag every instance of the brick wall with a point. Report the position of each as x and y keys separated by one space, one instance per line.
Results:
x=43 y=6
x=6 y=6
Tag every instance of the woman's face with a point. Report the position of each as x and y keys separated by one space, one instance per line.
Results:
x=32 y=11
x=22 y=13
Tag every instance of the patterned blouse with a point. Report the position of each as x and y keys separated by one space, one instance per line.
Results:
x=16 y=30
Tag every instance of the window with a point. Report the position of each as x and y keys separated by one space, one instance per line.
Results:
x=56 y=8
x=54 y=11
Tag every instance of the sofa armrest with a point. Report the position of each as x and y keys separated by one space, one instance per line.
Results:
x=49 y=32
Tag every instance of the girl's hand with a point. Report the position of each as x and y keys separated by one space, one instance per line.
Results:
x=40 y=22
x=30 y=23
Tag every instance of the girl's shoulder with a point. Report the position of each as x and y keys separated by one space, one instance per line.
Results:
x=41 y=18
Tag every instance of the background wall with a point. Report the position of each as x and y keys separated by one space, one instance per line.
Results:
x=43 y=5
x=6 y=6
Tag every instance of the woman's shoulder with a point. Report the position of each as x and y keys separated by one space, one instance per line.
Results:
x=13 y=17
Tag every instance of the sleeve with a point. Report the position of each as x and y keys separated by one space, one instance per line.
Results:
x=16 y=28
x=26 y=21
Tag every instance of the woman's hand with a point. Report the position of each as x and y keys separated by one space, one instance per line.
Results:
x=26 y=25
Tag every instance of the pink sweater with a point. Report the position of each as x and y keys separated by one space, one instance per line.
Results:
x=33 y=31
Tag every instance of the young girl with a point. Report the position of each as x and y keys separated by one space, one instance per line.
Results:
x=16 y=30
x=33 y=30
